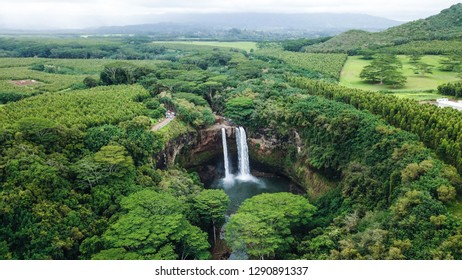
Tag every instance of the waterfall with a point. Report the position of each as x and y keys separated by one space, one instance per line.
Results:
x=242 y=153
x=228 y=176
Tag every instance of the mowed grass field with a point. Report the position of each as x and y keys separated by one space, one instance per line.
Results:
x=417 y=86
x=247 y=46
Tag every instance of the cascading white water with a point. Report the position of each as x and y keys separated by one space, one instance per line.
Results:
x=228 y=175
x=242 y=153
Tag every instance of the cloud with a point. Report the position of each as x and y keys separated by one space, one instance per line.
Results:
x=85 y=13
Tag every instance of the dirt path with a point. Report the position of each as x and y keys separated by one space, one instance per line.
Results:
x=161 y=124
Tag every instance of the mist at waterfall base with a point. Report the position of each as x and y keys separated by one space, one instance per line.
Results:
x=237 y=181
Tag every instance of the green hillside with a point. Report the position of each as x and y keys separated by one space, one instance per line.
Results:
x=447 y=25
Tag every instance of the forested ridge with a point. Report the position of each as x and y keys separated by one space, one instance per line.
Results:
x=445 y=29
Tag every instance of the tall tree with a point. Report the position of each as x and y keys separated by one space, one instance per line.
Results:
x=419 y=66
x=211 y=206
x=266 y=225
x=114 y=160
x=154 y=227
x=384 y=69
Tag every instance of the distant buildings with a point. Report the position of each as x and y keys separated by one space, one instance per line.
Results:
x=444 y=103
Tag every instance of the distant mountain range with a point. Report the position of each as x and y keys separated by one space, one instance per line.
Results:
x=268 y=22
x=218 y=24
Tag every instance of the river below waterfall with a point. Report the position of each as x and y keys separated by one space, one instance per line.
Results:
x=239 y=190
x=232 y=173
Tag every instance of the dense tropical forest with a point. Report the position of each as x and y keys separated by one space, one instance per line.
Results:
x=87 y=172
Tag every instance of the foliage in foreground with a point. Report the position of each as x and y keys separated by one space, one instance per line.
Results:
x=267 y=225
x=154 y=226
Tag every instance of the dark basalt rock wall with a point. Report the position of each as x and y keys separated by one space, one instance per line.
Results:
x=269 y=153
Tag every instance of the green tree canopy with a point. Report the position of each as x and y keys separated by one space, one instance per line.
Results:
x=419 y=66
x=122 y=73
x=114 y=160
x=153 y=227
x=38 y=130
x=210 y=206
x=100 y=136
x=239 y=109
x=265 y=226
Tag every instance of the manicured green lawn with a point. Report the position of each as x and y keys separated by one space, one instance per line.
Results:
x=415 y=82
x=247 y=46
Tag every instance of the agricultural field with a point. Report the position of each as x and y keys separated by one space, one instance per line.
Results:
x=418 y=86
x=17 y=75
x=328 y=64
x=80 y=108
x=26 y=81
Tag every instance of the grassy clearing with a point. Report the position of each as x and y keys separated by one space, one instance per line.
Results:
x=47 y=82
x=247 y=46
x=415 y=82
x=80 y=108
x=12 y=69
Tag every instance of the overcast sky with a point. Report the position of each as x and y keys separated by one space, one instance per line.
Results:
x=92 y=13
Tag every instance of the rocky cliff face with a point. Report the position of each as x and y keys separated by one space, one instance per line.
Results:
x=194 y=149
x=282 y=155
x=168 y=156
x=209 y=140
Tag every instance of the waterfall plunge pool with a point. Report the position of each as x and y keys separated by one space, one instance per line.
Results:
x=234 y=172
x=240 y=190
x=235 y=176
